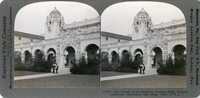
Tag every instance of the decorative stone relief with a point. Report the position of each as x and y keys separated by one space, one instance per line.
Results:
x=90 y=36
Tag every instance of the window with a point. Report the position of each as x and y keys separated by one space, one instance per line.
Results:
x=118 y=40
x=106 y=38
x=19 y=38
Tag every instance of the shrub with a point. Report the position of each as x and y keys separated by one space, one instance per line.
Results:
x=127 y=65
x=91 y=67
x=105 y=65
x=19 y=65
x=41 y=65
x=178 y=68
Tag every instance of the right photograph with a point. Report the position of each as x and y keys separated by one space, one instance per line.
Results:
x=143 y=45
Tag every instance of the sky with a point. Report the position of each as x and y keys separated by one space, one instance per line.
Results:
x=31 y=18
x=118 y=18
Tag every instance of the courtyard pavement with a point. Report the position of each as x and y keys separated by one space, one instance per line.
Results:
x=64 y=79
x=106 y=75
x=108 y=79
x=148 y=80
x=21 y=75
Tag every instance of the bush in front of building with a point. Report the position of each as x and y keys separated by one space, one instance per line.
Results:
x=91 y=67
x=41 y=65
x=22 y=66
x=18 y=63
x=106 y=66
x=170 y=68
x=127 y=65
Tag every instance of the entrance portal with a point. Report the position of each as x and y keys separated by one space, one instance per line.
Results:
x=69 y=56
x=156 y=57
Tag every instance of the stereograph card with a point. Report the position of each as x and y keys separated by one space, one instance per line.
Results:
x=104 y=49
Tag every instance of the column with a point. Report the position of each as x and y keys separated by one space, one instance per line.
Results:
x=62 y=65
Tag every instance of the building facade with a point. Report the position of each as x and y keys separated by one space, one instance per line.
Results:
x=67 y=42
x=151 y=43
x=62 y=42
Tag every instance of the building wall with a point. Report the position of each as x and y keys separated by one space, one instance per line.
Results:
x=110 y=40
x=85 y=43
x=172 y=44
x=52 y=31
x=23 y=40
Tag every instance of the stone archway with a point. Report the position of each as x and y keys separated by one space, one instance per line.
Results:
x=114 y=56
x=51 y=55
x=36 y=53
x=179 y=52
x=69 y=55
x=124 y=52
x=156 y=55
x=138 y=55
x=92 y=51
x=27 y=56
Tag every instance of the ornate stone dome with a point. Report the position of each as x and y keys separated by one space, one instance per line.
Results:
x=142 y=13
x=55 y=15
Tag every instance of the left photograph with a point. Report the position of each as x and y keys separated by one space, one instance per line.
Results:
x=57 y=45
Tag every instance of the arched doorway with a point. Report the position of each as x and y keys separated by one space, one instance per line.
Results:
x=124 y=52
x=92 y=51
x=156 y=55
x=36 y=53
x=69 y=54
x=138 y=55
x=115 y=56
x=179 y=52
x=27 y=56
x=51 y=55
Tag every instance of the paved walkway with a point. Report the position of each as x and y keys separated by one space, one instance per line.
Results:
x=147 y=72
x=66 y=71
x=61 y=72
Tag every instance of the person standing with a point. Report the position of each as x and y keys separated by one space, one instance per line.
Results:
x=56 y=67
x=143 y=68
x=140 y=68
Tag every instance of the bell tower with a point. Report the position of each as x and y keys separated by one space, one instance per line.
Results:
x=54 y=24
x=141 y=25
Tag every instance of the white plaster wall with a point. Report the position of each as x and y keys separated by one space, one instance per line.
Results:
x=23 y=40
x=140 y=33
x=110 y=40
x=53 y=33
